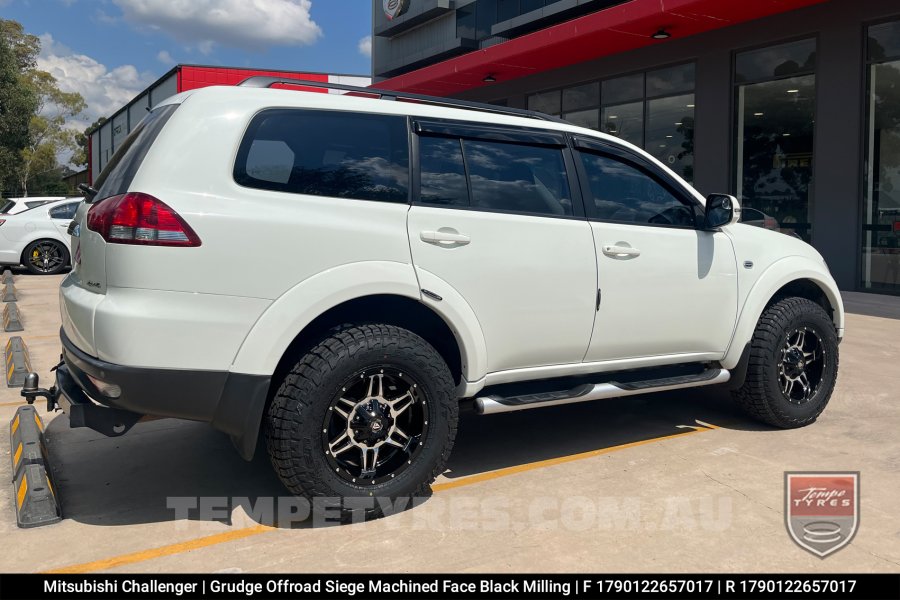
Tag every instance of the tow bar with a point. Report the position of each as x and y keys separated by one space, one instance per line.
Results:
x=31 y=391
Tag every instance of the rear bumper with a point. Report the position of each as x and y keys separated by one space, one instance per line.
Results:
x=230 y=402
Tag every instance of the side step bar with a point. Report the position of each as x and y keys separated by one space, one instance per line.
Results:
x=489 y=405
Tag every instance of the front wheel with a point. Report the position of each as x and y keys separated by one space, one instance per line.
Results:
x=370 y=413
x=793 y=364
x=45 y=257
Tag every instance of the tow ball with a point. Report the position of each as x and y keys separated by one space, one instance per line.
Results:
x=31 y=392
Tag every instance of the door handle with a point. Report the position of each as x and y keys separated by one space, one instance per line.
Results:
x=444 y=237
x=615 y=251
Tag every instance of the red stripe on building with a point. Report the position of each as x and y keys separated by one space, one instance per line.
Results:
x=610 y=31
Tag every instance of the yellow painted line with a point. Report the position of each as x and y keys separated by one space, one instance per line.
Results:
x=17 y=456
x=439 y=487
x=238 y=534
x=15 y=425
x=37 y=420
x=134 y=557
x=23 y=487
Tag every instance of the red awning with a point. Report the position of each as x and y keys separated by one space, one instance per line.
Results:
x=603 y=33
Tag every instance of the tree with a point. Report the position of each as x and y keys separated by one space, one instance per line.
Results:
x=48 y=135
x=18 y=53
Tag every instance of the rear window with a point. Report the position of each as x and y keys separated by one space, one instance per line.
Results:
x=124 y=164
x=6 y=206
x=326 y=153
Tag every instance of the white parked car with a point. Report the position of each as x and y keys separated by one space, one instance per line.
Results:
x=38 y=237
x=13 y=206
x=340 y=272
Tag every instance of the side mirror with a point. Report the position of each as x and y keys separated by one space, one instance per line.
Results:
x=721 y=210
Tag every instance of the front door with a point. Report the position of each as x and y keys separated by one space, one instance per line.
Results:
x=666 y=286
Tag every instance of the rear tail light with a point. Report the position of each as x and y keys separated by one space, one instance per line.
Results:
x=136 y=218
x=771 y=223
x=2 y=221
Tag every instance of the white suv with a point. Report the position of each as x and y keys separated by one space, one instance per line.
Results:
x=340 y=272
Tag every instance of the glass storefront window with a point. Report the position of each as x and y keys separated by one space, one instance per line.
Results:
x=624 y=121
x=775 y=123
x=545 y=102
x=623 y=89
x=775 y=61
x=581 y=97
x=670 y=132
x=652 y=110
x=881 y=208
x=671 y=80
x=584 y=118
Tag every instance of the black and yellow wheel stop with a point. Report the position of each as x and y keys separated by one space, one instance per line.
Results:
x=12 y=320
x=18 y=364
x=36 y=500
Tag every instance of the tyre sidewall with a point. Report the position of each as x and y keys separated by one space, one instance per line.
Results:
x=420 y=367
x=822 y=326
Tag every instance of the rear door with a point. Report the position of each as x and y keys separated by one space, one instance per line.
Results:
x=494 y=216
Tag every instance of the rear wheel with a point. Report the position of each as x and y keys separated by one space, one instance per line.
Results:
x=793 y=364
x=45 y=257
x=370 y=413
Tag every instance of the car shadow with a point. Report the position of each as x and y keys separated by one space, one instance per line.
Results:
x=137 y=477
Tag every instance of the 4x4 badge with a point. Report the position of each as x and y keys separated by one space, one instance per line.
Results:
x=821 y=509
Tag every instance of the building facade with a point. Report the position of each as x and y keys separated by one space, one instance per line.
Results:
x=791 y=105
x=105 y=138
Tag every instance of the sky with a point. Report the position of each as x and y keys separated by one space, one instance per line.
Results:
x=110 y=50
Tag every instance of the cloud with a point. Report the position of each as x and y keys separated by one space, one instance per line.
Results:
x=365 y=46
x=165 y=58
x=105 y=90
x=250 y=25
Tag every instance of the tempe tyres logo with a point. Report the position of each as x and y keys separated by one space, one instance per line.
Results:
x=822 y=509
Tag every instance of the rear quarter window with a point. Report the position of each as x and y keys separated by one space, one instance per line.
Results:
x=124 y=164
x=326 y=153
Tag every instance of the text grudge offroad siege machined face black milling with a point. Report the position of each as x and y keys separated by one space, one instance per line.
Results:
x=374 y=426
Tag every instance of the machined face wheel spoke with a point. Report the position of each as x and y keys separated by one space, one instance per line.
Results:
x=801 y=367
x=376 y=386
x=375 y=426
x=399 y=405
x=369 y=461
x=341 y=444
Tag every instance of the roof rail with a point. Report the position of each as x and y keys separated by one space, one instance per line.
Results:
x=262 y=81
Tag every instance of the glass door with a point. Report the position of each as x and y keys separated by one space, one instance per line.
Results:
x=881 y=206
x=775 y=105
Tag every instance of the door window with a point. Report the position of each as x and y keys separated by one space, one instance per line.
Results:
x=518 y=178
x=65 y=211
x=622 y=192
x=442 y=172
